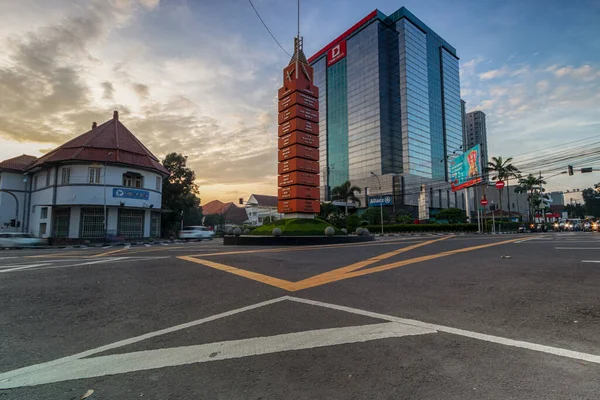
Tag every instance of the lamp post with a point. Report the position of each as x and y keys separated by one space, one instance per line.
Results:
x=381 y=200
x=104 y=179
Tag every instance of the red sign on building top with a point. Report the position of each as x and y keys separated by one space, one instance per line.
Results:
x=336 y=53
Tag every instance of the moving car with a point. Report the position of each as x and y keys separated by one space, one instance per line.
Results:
x=17 y=240
x=196 y=232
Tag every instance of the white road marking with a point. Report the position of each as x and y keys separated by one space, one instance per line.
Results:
x=164 y=244
x=108 y=260
x=127 y=246
x=590 y=261
x=20 y=267
x=7 y=258
x=152 y=359
x=5 y=377
x=78 y=366
x=461 y=332
x=146 y=245
x=106 y=247
x=577 y=248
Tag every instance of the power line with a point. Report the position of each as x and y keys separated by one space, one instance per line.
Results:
x=267 y=28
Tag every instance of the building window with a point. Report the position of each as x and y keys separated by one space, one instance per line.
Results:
x=43 y=226
x=158 y=183
x=132 y=180
x=155 y=224
x=66 y=176
x=47 y=178
x=44 y=213
x=94 y=175
x=92 y=223
x=35 y=182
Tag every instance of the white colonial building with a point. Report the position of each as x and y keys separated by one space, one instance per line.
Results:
x=102 y=183
x=259 y=206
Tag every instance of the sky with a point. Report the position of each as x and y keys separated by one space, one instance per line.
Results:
x=200 y=77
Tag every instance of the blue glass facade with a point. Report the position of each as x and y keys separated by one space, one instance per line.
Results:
x=452 y=107
x=391 y=105
x=337 y=124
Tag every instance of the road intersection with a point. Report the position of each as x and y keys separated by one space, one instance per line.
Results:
x=465 y=317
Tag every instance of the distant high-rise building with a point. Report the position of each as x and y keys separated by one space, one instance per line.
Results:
x=558 y=198
x=389 y=108
x=463 y=115
x=475 y=133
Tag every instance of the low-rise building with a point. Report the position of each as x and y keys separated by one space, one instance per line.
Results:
x=232 y=214
x=102 y=183
x=260 y=206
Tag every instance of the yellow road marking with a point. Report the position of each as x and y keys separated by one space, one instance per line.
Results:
x=347 y=272
x=110 y=252
x=361 y=264
x=269 y=280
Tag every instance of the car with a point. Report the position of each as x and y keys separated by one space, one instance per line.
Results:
x=18 y=240
x=196 y=232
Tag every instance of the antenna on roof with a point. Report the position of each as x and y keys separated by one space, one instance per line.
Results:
x=298 y=44
x=116 y=115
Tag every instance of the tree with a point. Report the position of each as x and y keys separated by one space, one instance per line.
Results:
x=591 y=198
x=373 y=215
x=532 y=185
x=214 y=221
x=502 y=170
x=179 y=193
x=327 y=209
x=452 y=215
x=345 y=192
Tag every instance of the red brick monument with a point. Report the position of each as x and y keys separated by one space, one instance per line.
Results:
x=298 y=132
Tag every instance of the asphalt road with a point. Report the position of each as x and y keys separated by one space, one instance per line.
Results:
x=425 y=317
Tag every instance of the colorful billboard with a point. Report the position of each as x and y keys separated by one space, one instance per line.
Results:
x=465 y=169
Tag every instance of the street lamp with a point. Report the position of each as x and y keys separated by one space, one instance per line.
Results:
x=104 y=179
x=381 y=200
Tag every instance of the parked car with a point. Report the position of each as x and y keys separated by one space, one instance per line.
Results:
x=16 y=240
x=196 y=232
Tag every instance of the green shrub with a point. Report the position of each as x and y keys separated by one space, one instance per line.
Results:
x=295 y=227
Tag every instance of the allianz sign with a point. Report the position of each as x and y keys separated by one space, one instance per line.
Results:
x=378 y=201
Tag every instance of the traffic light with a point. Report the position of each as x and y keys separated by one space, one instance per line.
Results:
x=12 y=223
x=570 y=168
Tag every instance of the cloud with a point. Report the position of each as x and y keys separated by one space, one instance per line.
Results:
x=493 y=74
x=585 y=72
x=141 y=90
x=108 y=91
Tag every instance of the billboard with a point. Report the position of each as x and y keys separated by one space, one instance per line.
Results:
x=465 y=169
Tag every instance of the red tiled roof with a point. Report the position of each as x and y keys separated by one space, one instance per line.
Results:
x=109 y=142
x=213 y=207
x=19 y=163
x=234 y=214
x=264 y=200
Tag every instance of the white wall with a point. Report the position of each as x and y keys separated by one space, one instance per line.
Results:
x=13 y=182
x=80 y=191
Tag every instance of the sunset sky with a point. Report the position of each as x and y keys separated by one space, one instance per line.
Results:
x=201 y=77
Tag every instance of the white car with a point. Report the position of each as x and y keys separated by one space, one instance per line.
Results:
x=16 y=240
x=196 y=232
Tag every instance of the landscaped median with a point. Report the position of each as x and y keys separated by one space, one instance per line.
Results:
x=408 y=228
x=295 y=227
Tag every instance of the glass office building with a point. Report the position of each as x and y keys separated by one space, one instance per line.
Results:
x=390 y=104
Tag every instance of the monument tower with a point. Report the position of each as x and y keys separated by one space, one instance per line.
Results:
x=298 y=143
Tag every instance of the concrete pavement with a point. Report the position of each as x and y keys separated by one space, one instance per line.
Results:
x=465 y=317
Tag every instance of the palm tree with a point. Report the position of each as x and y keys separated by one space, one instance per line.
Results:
x=345 y=192
x=531 y=184
x=502 y=170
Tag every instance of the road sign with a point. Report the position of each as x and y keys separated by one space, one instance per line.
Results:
x=499 y=184
x=484 y=202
